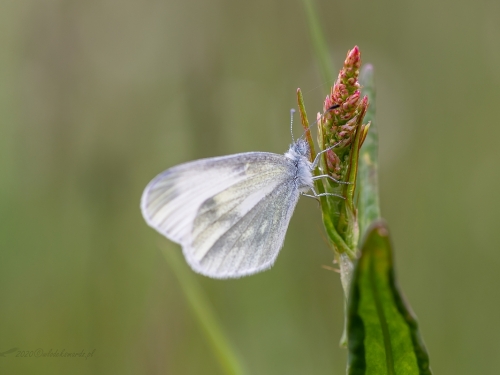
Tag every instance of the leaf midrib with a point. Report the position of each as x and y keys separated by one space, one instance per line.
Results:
x=381 y=316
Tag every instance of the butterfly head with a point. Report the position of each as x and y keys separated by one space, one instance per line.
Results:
x=301 y=148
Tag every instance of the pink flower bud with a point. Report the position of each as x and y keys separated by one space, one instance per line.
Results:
x=353 y=99
x=332 y=162
x=353 y=58
x=342 y=134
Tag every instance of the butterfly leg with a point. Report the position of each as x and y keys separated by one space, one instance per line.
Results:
x=331 y=178
x=316 y=195
x=311 y=196
x=316 y=159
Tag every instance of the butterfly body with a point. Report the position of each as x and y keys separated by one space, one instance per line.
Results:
x=299 y=154
x=230 y=214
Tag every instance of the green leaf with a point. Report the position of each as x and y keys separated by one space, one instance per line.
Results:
x=383 y=336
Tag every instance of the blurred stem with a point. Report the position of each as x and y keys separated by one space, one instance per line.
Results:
x=203 y=312
x=368 y=204
x=319 y=42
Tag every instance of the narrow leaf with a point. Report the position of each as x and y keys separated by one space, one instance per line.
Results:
x=383 y=335
x=368 y=204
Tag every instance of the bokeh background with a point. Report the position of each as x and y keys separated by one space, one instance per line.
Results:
x=97 y=97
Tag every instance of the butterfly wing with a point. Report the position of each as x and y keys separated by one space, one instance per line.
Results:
x=230 y=214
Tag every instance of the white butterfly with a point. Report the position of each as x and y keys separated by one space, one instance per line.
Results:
x=230 y=213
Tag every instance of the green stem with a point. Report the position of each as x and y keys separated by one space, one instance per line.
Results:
x=336 y=238
x=203 y=312
x=319 y=43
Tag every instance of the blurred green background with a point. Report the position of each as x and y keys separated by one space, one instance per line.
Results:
x=97 y=97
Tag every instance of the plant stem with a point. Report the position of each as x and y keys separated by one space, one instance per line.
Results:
x=203 y=312
x=319 y=43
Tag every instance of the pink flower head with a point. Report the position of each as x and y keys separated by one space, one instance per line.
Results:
x=339 y=124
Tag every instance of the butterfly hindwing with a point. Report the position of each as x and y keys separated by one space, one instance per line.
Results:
x=241 y=230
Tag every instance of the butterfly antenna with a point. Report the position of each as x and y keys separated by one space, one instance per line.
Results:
x=330 y=83
x=292 y=111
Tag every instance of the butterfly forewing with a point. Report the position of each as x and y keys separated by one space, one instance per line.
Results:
x=230 y=213
x=171 y=200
